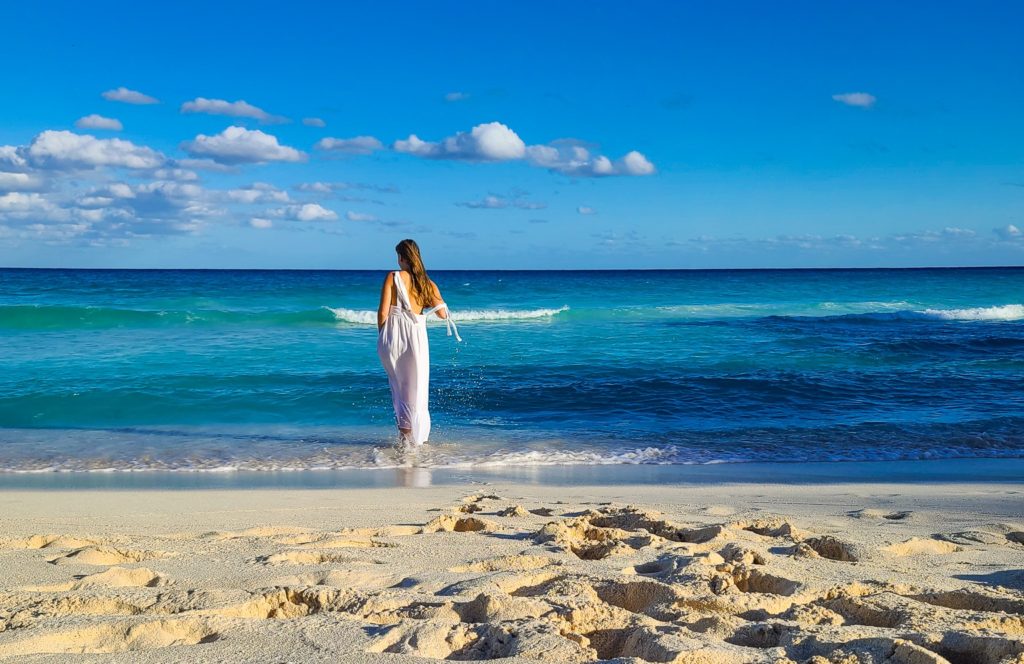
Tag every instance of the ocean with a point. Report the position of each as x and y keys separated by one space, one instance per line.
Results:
x=193 y=370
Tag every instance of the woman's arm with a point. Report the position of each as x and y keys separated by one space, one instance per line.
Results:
x=436 y=299
x=385 y=300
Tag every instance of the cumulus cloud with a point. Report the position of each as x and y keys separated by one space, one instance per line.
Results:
x=304 y=212
x=261 y=223
x=360 y=216
x=19 y=181
x=493 y=141
x=234 y=109
x=18 y=203
x=313 y=122
x=108 y=214
x=201 y=165
x=496 y=202
x=67 y=150
x=456 y=96
x=12 y=159
x=859 y=99
x=127 y=96
x=238 y=145
x=183 y=174
x=95 y=121
x=356 y=145
x=329 y=187
x=1009 y=233
x=257 y=192
x=583 y=209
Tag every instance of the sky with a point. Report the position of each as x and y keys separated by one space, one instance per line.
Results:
x=520 y=135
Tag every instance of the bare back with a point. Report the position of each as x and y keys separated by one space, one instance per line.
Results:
x=417 y=305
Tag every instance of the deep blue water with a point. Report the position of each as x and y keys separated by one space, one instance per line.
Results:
x=172 y=369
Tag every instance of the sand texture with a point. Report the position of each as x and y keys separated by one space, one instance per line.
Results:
x=844 y=574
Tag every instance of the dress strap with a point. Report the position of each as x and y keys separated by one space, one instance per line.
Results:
x=403 y=297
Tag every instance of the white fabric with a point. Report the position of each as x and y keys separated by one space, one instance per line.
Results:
x=449 y=321
x=403 y=350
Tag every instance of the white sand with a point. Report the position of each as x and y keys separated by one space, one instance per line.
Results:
x=723 y=573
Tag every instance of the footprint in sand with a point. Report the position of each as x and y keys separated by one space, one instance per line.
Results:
x=869 y=513
x=307 y=558
x=331 y=541
x=115 y=577
x=116 y=637
x=49 y=542
x=452 y=523
x=107 y=555
x=517 y=563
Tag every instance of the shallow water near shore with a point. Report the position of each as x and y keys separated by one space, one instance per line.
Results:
x=270 y=371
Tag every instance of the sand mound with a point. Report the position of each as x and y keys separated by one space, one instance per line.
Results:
x=450 y=523
x=107 y=555
x=114 y=637
x=115 y=577
x=48 y=542
x=916 y=546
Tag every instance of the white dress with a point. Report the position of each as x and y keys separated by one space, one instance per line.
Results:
x=403 y=350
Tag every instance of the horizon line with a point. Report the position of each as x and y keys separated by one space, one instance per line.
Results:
x=603 y=269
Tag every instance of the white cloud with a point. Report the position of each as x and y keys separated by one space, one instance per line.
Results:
x=98 y=122
x=495 y=202
x=183 y=174
x=234 y=109
x=305 y=212
x=570 y=158
x=12 y=159
x=314 y=122
x=1009 y=232
x=328 y=187
x=238 y=145
x=19 y=181
x=456 y=96
x=202 y=165
x=261 y=223
x=316 y=187
x=360 y=216
x=129 y=96
x=859 y=99
x=64 y=149
x=496 y=142
x=18 y=203
x=257 y=192
x=635 y=163
x=584 y=209
x=357 y=145
x=492 y=141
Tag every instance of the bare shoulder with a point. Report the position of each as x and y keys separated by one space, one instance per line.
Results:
x=436 y=292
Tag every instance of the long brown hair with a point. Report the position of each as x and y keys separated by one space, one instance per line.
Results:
x=422 y=286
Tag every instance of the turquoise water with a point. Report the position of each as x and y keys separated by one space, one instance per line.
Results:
x=270 y=370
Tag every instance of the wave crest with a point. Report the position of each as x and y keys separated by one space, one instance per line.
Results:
x=370 y=317
x=1004 y=312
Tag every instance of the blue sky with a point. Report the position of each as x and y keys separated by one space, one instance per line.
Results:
x=512 y=135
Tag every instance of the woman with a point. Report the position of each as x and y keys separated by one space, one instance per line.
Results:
x=406 y=298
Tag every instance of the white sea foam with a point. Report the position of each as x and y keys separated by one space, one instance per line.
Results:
x=1005 y=312
x=459 y=315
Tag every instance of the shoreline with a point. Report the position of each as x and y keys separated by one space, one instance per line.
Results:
x=973 y=470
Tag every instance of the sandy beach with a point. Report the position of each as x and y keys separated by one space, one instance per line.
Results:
x=850 y=573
